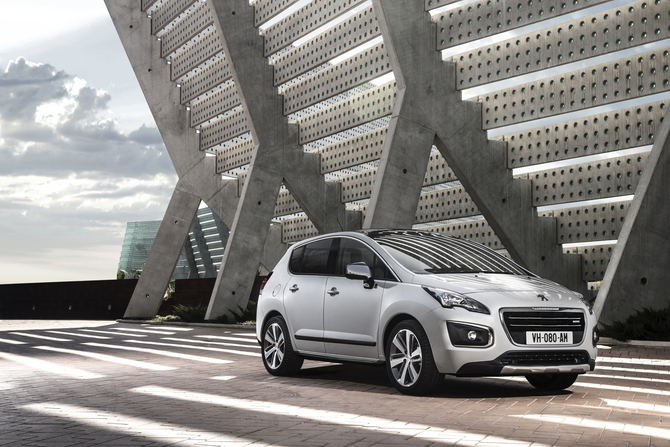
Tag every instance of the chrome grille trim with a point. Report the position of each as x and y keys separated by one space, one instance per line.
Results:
x=550 y=319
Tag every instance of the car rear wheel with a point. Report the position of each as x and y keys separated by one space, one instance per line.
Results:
x=551 y=382
x=409 y=359
x=279 y=358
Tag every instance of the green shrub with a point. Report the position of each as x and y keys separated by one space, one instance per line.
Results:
x=166 y=318
x=245 y=316
x=190 y=314
x=645 y=324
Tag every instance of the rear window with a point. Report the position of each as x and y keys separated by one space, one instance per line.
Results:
x=425 y=252
x=311 y=259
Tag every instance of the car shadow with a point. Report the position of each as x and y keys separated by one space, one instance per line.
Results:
x=451 y=387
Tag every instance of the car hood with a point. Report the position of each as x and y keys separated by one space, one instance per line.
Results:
x=519 y=290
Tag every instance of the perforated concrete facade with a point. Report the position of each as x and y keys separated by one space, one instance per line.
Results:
x=340 y=114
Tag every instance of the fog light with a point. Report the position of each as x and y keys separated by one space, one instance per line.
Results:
x=596 y=337
x=469 y=335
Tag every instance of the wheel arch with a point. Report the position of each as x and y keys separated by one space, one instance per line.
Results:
x=390 y=324
x=271 y=314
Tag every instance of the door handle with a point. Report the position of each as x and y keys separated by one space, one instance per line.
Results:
x=294 y=288
x=333 y=292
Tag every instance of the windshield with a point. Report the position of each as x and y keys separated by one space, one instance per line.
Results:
x=425 y=252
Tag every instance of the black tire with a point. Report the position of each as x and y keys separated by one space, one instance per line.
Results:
x=278 y=355
x=411 y=374
x=551 y=382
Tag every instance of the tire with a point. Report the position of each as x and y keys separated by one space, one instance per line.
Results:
x=416 y=373
x=551 y=382
x=278 y=355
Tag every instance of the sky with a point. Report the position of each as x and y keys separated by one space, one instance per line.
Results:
x=80 y=155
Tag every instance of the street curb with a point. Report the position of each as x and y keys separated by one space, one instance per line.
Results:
x=643 y=343
x=243 y=327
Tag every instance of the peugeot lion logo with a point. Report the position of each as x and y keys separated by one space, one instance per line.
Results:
x=542 y=297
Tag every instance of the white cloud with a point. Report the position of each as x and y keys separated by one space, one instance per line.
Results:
x=70 y=179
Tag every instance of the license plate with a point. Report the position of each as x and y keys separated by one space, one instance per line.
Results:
x=549 y=338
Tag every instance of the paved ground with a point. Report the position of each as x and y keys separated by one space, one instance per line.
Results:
x=103 y=383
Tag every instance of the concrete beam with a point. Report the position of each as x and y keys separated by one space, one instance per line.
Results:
x=636 y=276
x=431 y=100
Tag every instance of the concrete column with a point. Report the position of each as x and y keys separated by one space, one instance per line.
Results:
x=242 y=255
x=402 y=168
x=320 y=200
x=431 y=100
x=278 y=158
x=636 y=276
x=163 y=257
x=197 y=173
x=200 y=240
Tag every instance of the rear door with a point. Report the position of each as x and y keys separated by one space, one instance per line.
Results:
x=303 y=297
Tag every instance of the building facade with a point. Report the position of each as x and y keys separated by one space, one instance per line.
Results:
x=534 y=127
x=199 y=258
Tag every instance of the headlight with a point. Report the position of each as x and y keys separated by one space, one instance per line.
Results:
x=585 y=301
x=454 y=299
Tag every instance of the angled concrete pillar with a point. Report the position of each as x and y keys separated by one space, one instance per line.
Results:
x=190 y=258
x=201 y=242
x=637 y=274
x=197 y=173
x=432 y=101
x=402 y=168
x=172 y=233
x=274 y=249
x=222 y=229
x=277 y=158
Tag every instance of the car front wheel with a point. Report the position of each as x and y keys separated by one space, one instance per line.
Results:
x=279 y=358
x=551 y=382
x=409 y=359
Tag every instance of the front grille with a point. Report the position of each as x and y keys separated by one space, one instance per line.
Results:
x=520 y=322
x=545 y=358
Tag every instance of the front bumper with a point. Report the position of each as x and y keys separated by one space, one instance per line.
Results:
x=503 y=357
x=515 y=363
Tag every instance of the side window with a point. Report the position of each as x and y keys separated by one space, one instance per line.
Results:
x=296 y=259
x=351 y=251
x=311 y=259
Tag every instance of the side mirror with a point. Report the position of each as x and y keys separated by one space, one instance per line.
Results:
x=360 y=271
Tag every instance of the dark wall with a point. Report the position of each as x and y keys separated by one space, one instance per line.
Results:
x=191 y=292
x=94 y=300
x=188 y=292
x=80 y=300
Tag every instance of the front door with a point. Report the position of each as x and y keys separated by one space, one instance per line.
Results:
x=351 y=312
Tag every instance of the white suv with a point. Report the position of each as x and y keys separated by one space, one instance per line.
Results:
x=426 y=304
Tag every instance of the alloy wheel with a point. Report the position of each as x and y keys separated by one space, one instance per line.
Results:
x=406 y=358
x=274 y=346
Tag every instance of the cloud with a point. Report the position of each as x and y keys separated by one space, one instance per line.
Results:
x=70 y=179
